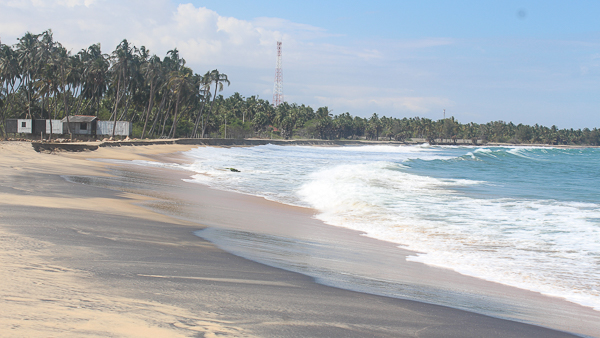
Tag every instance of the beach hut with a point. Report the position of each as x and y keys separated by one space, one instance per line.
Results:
x=80 y=125
x=19 y=126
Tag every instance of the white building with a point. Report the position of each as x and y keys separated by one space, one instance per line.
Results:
x=123 y=128
x=57 y=127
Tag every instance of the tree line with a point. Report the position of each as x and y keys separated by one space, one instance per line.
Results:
x=40 y=78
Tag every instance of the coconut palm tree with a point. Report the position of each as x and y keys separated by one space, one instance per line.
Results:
x=10 y=76
x=181 y=85
x=122 y=58
x=152 y=75
x=42 y=85
x=204 y=83
x=46 y=83
x=28 y=58
x=218 y=79
x=61 y=59
x=95 y=81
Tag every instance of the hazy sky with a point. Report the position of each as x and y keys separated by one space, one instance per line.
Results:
x=522 y=61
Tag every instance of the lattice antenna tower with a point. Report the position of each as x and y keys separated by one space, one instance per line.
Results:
x=278 y=88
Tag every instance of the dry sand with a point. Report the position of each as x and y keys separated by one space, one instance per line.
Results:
x=39 y=298
x=81 y=260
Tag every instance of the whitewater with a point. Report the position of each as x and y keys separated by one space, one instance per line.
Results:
x=527 y=217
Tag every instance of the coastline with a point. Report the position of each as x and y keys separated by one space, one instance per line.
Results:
x=141 y=269
x=367 y=258
x=40 y=146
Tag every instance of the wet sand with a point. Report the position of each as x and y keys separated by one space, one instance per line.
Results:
x=86 y=256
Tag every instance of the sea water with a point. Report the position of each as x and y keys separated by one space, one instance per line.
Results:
x=522 y=216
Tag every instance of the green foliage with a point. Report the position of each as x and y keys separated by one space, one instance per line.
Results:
x=137 y=130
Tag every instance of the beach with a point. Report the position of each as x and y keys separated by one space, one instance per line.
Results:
x=92 y=247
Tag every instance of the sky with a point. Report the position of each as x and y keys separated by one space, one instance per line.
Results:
x=521 y=61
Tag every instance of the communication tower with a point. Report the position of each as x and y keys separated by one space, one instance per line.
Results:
x=278 y=88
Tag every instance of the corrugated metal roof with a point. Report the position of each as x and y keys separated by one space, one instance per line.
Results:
x=80 y=119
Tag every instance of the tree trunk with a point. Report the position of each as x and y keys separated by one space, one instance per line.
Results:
x=211 y=105
x=66 y=106
x=200 y=114
x=149 y=108
x=175 y=117
x=162 y=131
x=158 y=114
x=117 y=97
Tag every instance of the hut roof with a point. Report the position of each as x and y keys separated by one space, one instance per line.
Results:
x=80 y=119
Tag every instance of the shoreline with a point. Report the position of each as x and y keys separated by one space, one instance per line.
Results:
x=434 y=285
x=42 y=146
x=473 y=291
x=241 y=296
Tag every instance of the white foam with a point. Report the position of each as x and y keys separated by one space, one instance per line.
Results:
x=515 y=242
x=542 y=245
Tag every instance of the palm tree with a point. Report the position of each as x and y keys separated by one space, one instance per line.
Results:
x=77 y=77
x=204 y=83
x=46 y=46
x=285 y=118
x=28 y=58
x=152 y=75
x=218 y=80
x=10 y=75
x=181 y=86
x=46 y=86
x=251 y=107
x=46 y=82
x=122 y=57
x=170 y=65
x=95 y=82
x=61 y=59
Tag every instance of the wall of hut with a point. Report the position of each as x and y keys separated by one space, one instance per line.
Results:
x=123 y=128
x=87 y=129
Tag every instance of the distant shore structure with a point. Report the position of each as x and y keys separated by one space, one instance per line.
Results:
x=278 y=88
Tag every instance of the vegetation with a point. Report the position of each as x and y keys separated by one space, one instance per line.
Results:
x=39 y=78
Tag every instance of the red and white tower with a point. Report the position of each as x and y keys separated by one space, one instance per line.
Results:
x=278 y=88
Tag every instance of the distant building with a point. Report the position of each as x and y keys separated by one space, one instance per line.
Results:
x=123 y=128
x=19 y=126
x=57 y=127
x=39 y=127
x=80 y=125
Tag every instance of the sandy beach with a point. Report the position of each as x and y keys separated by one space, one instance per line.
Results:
x=97 y=248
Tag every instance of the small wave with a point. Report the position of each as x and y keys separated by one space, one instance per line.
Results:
x=476 y=237
x=483 y=150
x=528 y=153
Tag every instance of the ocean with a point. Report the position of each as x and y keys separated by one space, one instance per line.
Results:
x=527 y=217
